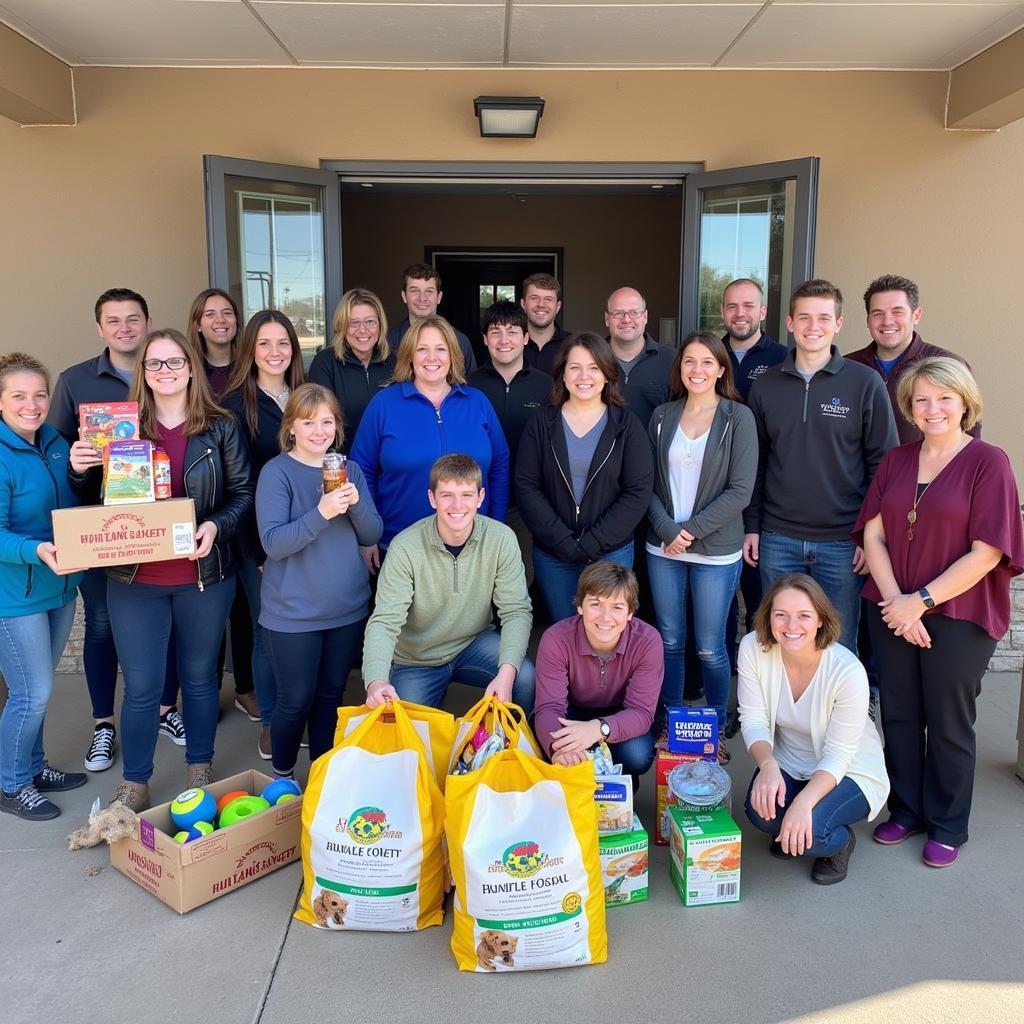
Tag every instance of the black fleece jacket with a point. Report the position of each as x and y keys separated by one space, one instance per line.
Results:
x=352 y=383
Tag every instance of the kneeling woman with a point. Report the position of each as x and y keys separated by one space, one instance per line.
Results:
x=803 y=701
x=316 y=589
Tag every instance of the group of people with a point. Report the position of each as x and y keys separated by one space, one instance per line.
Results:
x=800 y=477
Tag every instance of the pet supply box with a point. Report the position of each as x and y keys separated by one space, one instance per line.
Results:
x=704 y=862
x=624 y=863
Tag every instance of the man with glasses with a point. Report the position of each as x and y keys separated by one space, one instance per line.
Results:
x=644 y=363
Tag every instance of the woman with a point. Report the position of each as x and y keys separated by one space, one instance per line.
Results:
x=429 y=412
x=316 y=589
x=191 y=596
x=804 y=714
x=705 y=454
x=359 y=362
x=267 y=370
x=583 y=472
x=213 y=326
x=941 y=531
x=37 y=607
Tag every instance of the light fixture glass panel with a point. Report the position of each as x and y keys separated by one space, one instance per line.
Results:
x=508 y=122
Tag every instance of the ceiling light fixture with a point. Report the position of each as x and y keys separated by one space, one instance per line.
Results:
x=508 y=117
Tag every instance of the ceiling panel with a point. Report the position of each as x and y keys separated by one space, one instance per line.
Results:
x=389 y=34
x=621 y=36
x=823 y=35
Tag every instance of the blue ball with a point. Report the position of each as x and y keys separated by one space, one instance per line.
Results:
x=273 y=791
x=198 y=831
x=191 y=806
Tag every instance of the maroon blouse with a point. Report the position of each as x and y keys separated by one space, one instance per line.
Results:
x=973 y=498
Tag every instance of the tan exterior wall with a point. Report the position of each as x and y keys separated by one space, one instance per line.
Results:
x=118 y=199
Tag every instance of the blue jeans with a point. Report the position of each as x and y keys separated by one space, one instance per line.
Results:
x=636 y=755
x=30 y=647
x=475 y=665
x=557 y=579
x=830 y=819
x=262 y=670
x=710 y=589
x=142 y=616
x=828 y=562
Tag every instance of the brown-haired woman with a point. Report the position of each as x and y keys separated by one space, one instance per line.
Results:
x=316 y=590
x=209 y=464
x=213 y=326
x=803 y=702
x=583 y=472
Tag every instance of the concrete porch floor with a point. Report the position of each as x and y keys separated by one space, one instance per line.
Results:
x=896 y=941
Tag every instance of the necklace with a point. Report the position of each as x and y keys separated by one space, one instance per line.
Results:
x=912 y=514
x=280 y=398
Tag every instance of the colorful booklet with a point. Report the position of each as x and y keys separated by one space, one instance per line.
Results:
x=99 y=423
x=128 y=473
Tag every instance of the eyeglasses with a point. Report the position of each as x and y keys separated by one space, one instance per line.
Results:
x=174 y=363
x=371 y=324
x=626 y=314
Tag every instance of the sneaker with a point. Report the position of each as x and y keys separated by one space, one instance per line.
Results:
x=100 y=755
x=890 y=832
x=134 y=795
x=29 y=803
x=724 y=757
x=246 y=703
x=776 y=850
x=263 y=744
x=830 y=870
x=172 y=725
x=198 y=776
x=50 y=780
x=935 y=855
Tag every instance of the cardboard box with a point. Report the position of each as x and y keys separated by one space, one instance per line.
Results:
x=187 y=876
x=663 y=764
x=95 y=536
x=704 y=862
x=624 y=866
x=693 y=731
x=613 y=795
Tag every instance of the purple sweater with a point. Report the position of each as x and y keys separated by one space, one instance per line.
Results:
x=568 y=671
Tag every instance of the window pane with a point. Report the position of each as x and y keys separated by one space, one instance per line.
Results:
x=506 y=292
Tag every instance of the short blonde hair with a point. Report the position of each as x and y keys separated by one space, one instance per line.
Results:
x=302 y=404
x=944 y=372
x=831 y=625
x=403 y=360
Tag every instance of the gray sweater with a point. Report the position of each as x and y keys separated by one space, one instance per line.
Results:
x=314 y=577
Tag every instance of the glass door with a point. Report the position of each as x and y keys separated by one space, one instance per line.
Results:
x=755 y=222
x=274 y=241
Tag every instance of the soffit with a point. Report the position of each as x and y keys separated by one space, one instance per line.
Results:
x=826 y=34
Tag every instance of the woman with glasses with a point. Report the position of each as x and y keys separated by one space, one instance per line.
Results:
x=209 y=464
x=359 y=362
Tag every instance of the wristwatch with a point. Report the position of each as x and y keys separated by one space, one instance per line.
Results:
x=606 y=729
x=929 y=601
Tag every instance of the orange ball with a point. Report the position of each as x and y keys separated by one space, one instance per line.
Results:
x=228 y=797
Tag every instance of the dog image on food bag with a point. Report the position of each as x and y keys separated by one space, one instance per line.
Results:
x=330 y=909
x=494 y=944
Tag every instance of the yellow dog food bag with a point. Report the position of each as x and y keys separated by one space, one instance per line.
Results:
x=372 y=821
x=488 y=712
x=522 y=840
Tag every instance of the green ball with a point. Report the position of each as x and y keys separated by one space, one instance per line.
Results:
x=181 y=837
x=242 y=809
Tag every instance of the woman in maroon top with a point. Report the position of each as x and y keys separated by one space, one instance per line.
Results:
x=213 y=326
x=941 y=529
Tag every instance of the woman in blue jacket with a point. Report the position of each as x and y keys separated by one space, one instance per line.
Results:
x=428 y=412
x=37 y=607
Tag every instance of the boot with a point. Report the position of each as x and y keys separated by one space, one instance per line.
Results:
x=829 y=870
x=198 y=775
x=134 y=795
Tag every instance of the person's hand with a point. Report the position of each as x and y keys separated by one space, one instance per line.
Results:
x=339 y=501
x=47 y=553
x=768 y=791
x=371 y=558
x=796 y=834
x=680 y=544
x=901 y=612
x=575 y=737
x=501 y=685
x=860 y=561
x=917 y=635
x=206 y=534
x=84 y=457
x=568 y=758
x=751 y=548
x=380 y=691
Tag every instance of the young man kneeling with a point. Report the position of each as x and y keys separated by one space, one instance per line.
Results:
x=599 y=674
x=432 y=621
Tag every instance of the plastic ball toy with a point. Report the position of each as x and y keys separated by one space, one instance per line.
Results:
x=191 y=806
x=273 y=792
x=198 y=830
x=228 y=797
x=181 y=837
x=242 y=809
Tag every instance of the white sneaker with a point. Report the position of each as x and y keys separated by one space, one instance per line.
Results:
x=173 y=727
x=100 y=755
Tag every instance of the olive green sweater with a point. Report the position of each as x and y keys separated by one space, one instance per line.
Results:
x=431 y=605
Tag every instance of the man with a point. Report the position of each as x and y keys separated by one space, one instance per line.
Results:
x=541 y=300
x=645 y=364
x=432 y=620
x=122 y=322
x=515 y=389
x=599 y=674
x=823 y=425
x=421 y=293
x=752 y=351
x=894 y=310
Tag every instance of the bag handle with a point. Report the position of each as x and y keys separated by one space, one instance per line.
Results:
x=383 y=713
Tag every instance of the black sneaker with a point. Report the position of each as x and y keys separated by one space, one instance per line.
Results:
x=100 y=755
x=29 y=803
x=50 y=780
x=172 y=725
x=829 y=870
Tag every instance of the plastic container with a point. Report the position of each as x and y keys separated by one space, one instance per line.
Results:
x=161 y=474
x=699 y=786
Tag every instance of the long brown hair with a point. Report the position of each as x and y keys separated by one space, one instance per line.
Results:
x=195 y=318
x=244 y=373
x=725 y=386
x=606 y=362
x=200 y=407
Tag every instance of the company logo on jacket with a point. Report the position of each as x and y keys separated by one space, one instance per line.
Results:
x=835 y=408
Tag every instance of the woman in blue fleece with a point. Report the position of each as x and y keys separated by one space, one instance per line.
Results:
x=315 y=594
x=428 y=412
x=37 y=606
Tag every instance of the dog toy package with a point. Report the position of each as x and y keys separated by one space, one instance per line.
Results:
x=371 y=831
x=522 y=837
x=488 y=727
x=624 y=860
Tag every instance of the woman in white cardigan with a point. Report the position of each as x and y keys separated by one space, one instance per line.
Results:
x=803 y=702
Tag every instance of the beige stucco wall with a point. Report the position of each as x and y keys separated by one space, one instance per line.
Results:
x=118 y=199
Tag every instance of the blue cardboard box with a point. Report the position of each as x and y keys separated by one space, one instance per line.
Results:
x=693 y=731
